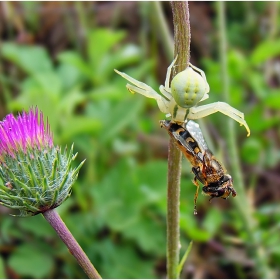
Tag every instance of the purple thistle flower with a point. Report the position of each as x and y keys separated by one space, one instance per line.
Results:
x=27 y=130
x=35 y=175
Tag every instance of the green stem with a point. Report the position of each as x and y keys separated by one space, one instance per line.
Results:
x=242 y=203
x=182 y=49
x=63 y=232
x=162 y=28
x=273 y=16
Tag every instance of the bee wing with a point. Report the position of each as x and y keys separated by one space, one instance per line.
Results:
x=195 y=131
x=183 y=142
x=188 y=148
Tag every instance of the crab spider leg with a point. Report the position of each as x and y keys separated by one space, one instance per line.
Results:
x=196 y=194
x=162 y=103
x=202 y=74
x=224 y=108
x=165 y=92
x=217 y=107
x=168 y=74
x=205 y=96
x=146 y=90
x=139 y=87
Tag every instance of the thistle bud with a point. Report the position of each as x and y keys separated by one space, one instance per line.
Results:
x=36 y=176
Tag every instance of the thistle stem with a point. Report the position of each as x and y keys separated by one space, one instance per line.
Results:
x=63 y=232
x=180 y=12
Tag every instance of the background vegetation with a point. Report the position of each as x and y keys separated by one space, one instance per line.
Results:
x=60 y=57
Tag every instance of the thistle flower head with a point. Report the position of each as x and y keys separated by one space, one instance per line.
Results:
x=25 y=131
x=36 y=176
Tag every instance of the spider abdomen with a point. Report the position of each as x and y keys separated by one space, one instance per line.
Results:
x=188 y=88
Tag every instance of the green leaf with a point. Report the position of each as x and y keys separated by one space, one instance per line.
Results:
x=257 y=82
x=74 y=59
x=237 y=64
x=120 y=116
x=127 y=263
x=213 y=221
x=189 y=226
x=37 y=226
x=132 y=200
x=69 y=76
x=48 y=83
x=77 y=125
x=148 y=233
x=140 y=73
x=127 y=55
x=117 y=195
x=28 y=261
x=154 y=187
x=258 y=121
x=32 y=59
x=128 y=189
x=42 y=90
x=70 y=101
x=112 y=91
x=8 y=229
x=184 y=258
x=100 y=41
x=272 y=98
x=264 y=51
x=251 y=150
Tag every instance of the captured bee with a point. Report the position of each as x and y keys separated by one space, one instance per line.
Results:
x=206 y=167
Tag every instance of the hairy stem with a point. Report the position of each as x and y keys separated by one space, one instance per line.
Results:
x=182 y=49
x=182 y=34
x=173 y=209
x=63 y=232
x=242 y=203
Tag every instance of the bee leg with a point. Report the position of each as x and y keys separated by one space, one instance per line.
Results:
x=233 y=192
x=212 y=198
x=196 y=194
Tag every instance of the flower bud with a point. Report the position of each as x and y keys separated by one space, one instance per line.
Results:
x=36 y=176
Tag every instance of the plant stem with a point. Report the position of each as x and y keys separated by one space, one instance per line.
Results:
x=162 y=28
x=63 y=232
x=182 y=49
x=242 y=203
x=173 y=209
x=182 y=34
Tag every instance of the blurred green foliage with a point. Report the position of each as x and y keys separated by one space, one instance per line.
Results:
x=118 y=207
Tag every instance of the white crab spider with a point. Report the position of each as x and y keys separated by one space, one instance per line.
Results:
x=179 y=101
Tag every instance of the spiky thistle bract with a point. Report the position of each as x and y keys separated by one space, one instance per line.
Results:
x=36 y=176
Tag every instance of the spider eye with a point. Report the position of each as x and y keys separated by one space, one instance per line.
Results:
x=188 y=88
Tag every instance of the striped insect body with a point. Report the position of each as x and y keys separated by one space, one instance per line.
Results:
x=206 y=168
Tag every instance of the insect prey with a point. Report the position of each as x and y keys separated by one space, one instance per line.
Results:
x=206 y=168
